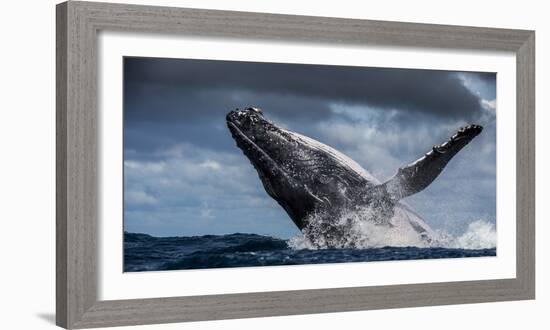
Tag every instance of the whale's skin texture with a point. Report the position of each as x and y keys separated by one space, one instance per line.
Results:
x=327 y=194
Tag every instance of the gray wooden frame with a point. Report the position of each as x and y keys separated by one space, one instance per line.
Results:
x=77 y=150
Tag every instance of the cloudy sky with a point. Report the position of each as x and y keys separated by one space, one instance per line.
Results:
x=184 y=175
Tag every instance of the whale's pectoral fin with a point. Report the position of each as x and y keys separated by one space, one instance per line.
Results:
x=420 y=174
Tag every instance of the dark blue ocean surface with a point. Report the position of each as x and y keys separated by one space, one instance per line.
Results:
x=147 y=253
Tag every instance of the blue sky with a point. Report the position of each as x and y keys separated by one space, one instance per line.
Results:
x=184 y=176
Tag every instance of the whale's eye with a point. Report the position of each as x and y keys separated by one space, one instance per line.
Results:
x=255 y=109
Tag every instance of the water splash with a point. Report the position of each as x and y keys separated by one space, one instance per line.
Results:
x=480 y=234
x=363 y=227
x=401 y=231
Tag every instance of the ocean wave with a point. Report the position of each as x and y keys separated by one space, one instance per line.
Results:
x=361 y=241
x=148 y=253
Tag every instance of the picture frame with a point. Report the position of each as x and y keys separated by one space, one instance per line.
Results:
x=77 y=26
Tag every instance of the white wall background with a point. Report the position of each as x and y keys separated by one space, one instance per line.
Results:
x=27 y=166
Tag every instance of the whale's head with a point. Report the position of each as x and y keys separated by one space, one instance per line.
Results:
x=301 y=174
x=263 y=142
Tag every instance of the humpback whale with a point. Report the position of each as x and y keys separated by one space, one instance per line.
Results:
x=330 y=197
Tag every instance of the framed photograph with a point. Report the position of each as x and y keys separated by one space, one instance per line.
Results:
x=216 y=165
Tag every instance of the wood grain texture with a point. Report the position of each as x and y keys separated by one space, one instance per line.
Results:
x=77 y=157
x=525 y=165
x=296 y=28
x=61 y=166
x=77 y=189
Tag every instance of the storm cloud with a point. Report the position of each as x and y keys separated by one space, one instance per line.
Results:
x=293 y=89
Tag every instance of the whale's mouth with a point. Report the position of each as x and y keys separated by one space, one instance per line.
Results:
x=244 y=125
x=257 y=156
x=266 y=167
x=244 y=142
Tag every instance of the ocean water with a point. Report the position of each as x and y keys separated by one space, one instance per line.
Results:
x=147 y=253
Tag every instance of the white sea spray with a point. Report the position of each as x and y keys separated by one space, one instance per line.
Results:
x=480 y=234
x=362 y=233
